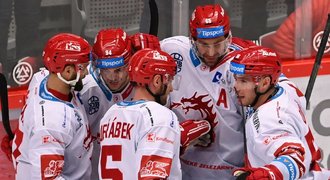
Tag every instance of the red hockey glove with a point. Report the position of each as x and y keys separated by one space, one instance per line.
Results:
x=143 y=40
x=268 y=172
x=191 y=131
x=6 y=145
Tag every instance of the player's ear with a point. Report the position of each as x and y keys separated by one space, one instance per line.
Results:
x=157 y=81
x=67 y=71
x=265 y=83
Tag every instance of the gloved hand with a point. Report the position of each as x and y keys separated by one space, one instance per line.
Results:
x=6 y=145
x=191 y=131
x=143 y=40
x=208 y=139
x=268 y=172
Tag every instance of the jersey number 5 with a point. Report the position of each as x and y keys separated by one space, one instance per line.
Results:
x=115 y=152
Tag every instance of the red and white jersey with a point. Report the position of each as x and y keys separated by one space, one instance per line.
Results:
x=276 y=125
x=292 y=90
x=97 y=99
x=53 y=139
x=206 y=93
x=38 y=77
x=139 y=139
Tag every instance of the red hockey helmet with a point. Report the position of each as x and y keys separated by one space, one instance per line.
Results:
x=65 y=49
x=209 y=21
x=147 y=63
x=256 y=61
x=143 y=40
x=112 y=48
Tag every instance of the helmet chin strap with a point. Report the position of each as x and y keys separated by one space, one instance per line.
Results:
x=72 y=83
x=258 y=94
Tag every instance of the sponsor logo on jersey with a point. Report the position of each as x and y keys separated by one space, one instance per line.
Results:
x=151 y=137
x=210 y=32
x=110 y=63
x=154 y=166
x=22 y=73
x=94 y=105
x=268 y=139
x=237 y=68
x=317 y=41
x=49 y=139
x=165 y=140
x=216 y=78
x=178 y=58
x=51 y=166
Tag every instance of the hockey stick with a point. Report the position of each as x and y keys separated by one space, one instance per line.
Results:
x=317 y=62
x=153 y=18
x=4 y=106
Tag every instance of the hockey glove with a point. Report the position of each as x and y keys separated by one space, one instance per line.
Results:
x=6 y=145
x=268 y=172
x=143 y=40
x=191 y=131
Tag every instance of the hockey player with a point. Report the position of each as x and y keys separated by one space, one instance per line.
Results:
x=140 y=139
x=53 y=140
x=205 y=92
x=279 y=142
x=108 y=82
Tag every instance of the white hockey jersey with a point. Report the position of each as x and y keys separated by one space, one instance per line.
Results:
x=277 y=124
x=97 y=99
x=139 y=138
x=206 y=93
x=53 y=139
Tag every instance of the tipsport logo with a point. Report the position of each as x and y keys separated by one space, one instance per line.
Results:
x=237 y=68
x=210 y=32
x=110 y=63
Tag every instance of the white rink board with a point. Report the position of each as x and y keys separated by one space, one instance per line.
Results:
x=319 y=113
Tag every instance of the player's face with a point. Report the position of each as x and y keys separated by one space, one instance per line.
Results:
x=115 y=78
x=244 y=86
x=165 y=97
x=210 y=50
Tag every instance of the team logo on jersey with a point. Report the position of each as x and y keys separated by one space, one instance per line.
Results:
x=216 y=78
x=317 y=41
x=155 y=167
x=94 y=105
x=22 y=73
x=51 y=166
x=178 y=58
x=200 y=103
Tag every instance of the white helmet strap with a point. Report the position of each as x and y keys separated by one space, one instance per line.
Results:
x=72 y=83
